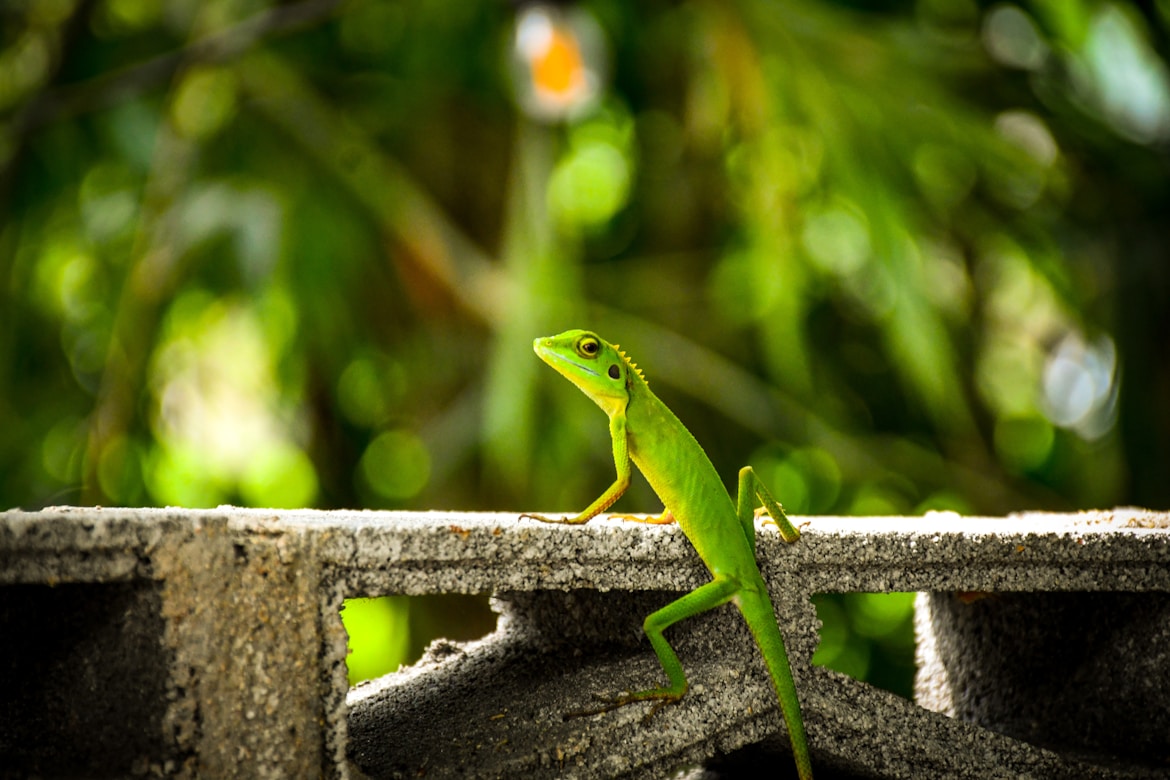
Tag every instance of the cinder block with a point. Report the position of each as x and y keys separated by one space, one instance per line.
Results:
x=209 y=643
x=166 y=643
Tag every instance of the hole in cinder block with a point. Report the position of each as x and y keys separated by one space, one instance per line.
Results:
x=83 y=679
x=499 y=708
x=868 y=636
x=389 y=631
x=1077 y=672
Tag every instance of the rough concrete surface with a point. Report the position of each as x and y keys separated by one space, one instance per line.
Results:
x=216 y=664
x=214 y=636
x=1078 y=672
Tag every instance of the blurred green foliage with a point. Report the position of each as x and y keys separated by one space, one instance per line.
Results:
x=899 y=256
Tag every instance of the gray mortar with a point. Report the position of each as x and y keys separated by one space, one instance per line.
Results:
x=214 y=636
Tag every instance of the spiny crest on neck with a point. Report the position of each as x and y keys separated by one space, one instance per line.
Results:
x=633 y=366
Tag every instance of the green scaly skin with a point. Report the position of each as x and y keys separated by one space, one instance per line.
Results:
x=646 y=432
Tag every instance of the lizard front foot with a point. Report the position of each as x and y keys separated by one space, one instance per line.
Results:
x=563 y=520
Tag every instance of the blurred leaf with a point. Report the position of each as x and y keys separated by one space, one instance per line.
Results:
x=379 y=636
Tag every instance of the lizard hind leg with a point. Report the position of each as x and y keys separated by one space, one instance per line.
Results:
x=715 y=593
x=755 y=501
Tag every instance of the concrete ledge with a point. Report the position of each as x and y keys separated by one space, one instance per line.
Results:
x=215 y=637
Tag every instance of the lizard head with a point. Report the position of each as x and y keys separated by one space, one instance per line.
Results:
x=600 y=369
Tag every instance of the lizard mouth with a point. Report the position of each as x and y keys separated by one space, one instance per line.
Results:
x=553 y=358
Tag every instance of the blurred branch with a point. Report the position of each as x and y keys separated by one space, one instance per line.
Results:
x=403 y=209
x=114 y=87
x=150 y=280
x=158 y=267
x=66 y=34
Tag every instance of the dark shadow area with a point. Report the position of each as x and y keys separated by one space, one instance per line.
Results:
x=82 y=681
x=1080 y=673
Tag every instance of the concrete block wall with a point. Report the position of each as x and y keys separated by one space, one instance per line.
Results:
x=166 y=643
x=209 y=643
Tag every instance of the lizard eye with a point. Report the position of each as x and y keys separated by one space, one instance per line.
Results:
x=615 y=372
x=588 y=347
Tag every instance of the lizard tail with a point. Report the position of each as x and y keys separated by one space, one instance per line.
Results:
x=761 y=619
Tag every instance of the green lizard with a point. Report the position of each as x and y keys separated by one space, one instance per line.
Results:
x=722 y=532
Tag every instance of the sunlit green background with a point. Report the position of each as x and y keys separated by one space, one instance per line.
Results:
x=896 y=255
